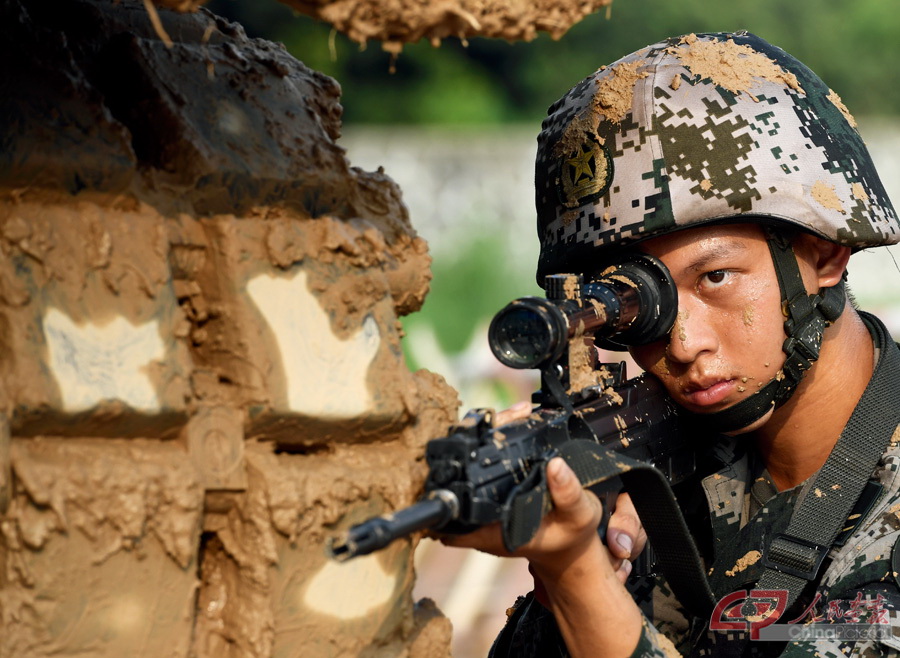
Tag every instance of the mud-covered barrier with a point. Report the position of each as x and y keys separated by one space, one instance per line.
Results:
x=200 y=367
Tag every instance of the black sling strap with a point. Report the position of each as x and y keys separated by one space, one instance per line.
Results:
x=795 y=557
x=674 y=548
x=676 y=552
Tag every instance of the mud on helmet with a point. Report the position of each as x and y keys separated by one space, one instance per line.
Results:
x=703 y=129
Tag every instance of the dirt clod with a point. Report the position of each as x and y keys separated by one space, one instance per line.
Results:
x=396 y=22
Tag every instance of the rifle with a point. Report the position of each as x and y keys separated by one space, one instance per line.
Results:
x=480 y=474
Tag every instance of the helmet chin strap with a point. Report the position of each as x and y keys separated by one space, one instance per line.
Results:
x=807 y=317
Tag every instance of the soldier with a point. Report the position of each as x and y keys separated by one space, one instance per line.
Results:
x=738 y=168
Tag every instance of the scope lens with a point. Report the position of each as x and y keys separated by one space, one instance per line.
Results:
x=521 y=337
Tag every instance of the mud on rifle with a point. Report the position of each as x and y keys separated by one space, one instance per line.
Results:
x=481 y=474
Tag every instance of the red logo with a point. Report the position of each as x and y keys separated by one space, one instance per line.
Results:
x=754 y=609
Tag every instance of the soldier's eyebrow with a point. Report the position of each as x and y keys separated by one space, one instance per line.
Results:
x=715 y=254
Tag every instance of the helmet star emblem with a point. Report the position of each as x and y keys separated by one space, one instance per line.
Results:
x=582 y=165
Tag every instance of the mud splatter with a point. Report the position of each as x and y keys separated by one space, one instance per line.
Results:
x=599 y=310
x=571 y=289
x=748 y=316
x=612 y=99
x=679 y=324
x=826 y=196
x=662 y=366
x=839 y=104
x=615 y=91
x=858 y=192
x=895 y=438
x=742 y=65
x=613 y=395
x=751 y=558
x=573 y=136
x=582 y=366
x=569 y=216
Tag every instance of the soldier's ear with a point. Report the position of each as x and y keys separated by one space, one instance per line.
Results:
x=822 y=262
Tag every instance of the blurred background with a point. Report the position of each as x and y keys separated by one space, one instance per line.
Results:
x=455 y=126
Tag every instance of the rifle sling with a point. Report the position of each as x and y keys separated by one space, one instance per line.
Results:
x=795 y=557
x=676 y=552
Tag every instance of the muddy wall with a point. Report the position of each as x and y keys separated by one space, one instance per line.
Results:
x=200 y=369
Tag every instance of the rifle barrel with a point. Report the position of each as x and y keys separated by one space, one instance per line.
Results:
x=434 y=512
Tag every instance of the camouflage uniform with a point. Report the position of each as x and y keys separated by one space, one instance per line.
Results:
x=731 y=511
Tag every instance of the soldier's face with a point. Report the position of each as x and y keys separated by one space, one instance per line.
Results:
x=726 y=342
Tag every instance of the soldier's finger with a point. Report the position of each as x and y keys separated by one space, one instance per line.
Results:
x=625 y=535
x=564 y=485
x=518 y=411
x=621 y=567
x=571 y=502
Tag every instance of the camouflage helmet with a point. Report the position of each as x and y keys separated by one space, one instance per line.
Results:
x=700 y=129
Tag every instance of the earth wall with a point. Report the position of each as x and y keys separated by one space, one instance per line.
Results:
x=200 y=367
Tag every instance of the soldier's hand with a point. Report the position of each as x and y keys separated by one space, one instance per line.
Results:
x=625 y=536
x=569 y=530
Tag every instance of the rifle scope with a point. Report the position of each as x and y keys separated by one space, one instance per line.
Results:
x=633 y=302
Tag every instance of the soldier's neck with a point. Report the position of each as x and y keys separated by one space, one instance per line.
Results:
x=801 y=434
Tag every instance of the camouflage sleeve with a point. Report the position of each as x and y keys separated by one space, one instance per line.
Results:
x=838 y=649
x=654 y=644
x=664 y=614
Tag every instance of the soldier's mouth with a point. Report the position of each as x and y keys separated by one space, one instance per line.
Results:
x=701 y=395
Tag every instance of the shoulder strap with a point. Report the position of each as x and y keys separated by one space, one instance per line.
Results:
x=675 y=550
x=795 y=557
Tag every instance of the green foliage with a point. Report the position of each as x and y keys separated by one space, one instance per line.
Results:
x=851 y=45
x=468 y=289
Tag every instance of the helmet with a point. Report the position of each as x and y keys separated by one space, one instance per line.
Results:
x=710 y=128
x=699 y=129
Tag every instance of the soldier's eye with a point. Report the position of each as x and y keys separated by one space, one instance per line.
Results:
x=716 y=278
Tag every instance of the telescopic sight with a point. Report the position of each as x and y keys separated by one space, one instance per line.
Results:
x=633 y=303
